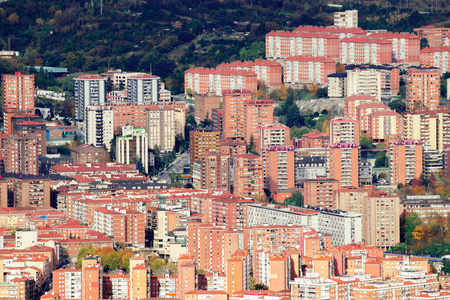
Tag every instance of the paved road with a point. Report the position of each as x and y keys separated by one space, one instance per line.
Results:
x=177 y=166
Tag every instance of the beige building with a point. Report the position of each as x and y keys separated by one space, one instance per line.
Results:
x=344 y=130
x=212 y=171
x=337 y=85
x=204 y=104
x=432 y=127
x=382 y=219
x=348 y=19
x=364 y=82
x=162 y=124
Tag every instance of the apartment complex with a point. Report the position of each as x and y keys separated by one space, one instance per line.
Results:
x=389 y=76
x=319 y=192
x=267 y=71
x=422 y=89
x=204 y=104
x=436 y=57
x=162 y=124
x=405 y=161
x=279 y=168
x=344 y=130
x=342 y=32
x=21 y=153
x=248 y=176
x=257 y=113
x=233 y=112
x=99 y=126
x=343 y=163
x=132 y=147
x=364 y=110
x=364 y=82
x=203 y=141
x=212 y=172
x=217 y=120
x=365 y=51
x=86 y=153
x=17 y=96
x=352 y=102
x=143 y=89
x=307 y=69
x=283 y=44
x=434 y=35
x=346 y=19
x=315 y=139
x=405 y=46
x=89 y=90
x=381 y=124
x=202 y=81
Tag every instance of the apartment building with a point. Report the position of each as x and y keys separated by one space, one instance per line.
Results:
x=257 y=113
x=233 y=112
x=89 y=90
x=143 y=89
x=342 y=163
x=422 y=89
x=162 y=124
x=86 y=153
x=362 y=112
x=315 y=139
x=67 y=282
x=217 y=120
x=381 y=124
x=389 y=76
x=36 y=128
x=203 y=141
x=267 y=71
x=382 y=221
x=433 y=161
x=132 y=147
x=365 y=51
x=434 y=35
x=99 y=126
x=436 y=57
x=130 y=114
x=279 y=168
x=204 y=104
x=212 y=171
x=364 y=82
x=31 y=191
x=427 y=206
x=232 y=146
x=21 y=153
x=248 y=176
x=307 y=69
x=337 y=85
x=405 y=46
x=344 y=131
x=275 y=134
x=238 y=272
x=405 y=161
x=346 y=19
x=319 y=192
x=116 y=286
x=428 y=126
x=202 y=81
x=308 y=167
x=17 y=96
x=283 y=44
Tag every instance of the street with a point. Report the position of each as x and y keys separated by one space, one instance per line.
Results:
x=177 y=167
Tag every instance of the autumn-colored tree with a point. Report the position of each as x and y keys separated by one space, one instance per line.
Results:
x=262 y=90
x=422 y=232
x=418 y=190
x=38 y=61
x=262 y=198
x=439 y=191
x=340 y=68
x=13 y=19
x=283 y=93
x=314 y=90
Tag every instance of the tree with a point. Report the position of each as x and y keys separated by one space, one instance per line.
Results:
x=340 y=68
x=365 y=141
x=424 y=43
x=398 y=105
x=112 y=260
x=295 y=200
x=109 y=85
x=85 y=250
x=381 y=160
x=422 y=232
x=445 y=269
x=283 y=93
x=13 y=19
x=158 y=264
x=262 y=198
x=262 y=90
x=412 y=220
x=296 y=132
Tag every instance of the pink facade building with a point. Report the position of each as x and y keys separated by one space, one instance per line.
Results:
x=307 y=69
x=365 y=51
x=203 y=80
x=384 y=123
x=343 y=32
x=405 y=46
x=437 y=57
x=283 y=44
x=267 y=71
